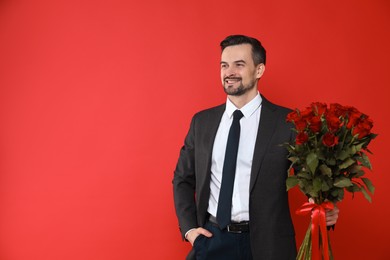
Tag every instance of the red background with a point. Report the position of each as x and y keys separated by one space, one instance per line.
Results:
x=96 y=98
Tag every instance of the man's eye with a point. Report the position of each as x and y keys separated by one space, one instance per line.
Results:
x=240 y=65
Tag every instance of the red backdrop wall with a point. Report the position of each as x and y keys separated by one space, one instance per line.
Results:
x=96 y=98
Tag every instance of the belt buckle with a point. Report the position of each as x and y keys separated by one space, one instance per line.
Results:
x=233 y=231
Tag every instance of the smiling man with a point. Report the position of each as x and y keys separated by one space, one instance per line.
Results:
x=229 y=183
x=240 y=73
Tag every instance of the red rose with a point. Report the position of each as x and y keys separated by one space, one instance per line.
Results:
x=300 y=125
x=330 y=140
x=315 y=124
x=352 y=110
x=333 y=122
x=293 y=116
x=307 y=113
x=318 y=108
x=338 y=110
x=301 y=138
x=353 y=117
x=353 y=120
x=363 y=128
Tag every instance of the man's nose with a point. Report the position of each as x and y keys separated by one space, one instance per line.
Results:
x=230 y=72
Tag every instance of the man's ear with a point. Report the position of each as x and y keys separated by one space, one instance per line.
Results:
x=260 y=70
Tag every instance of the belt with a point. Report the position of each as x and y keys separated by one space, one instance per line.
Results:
x=237 y=228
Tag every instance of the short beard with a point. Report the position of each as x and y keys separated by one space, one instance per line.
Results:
x=241 y=90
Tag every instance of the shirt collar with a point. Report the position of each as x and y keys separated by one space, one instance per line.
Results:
x=247 y=110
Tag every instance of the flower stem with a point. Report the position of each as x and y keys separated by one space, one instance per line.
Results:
x=304 y=252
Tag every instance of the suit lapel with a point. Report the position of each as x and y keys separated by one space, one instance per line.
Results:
x=266 y=129
x=208 y=132
x=211 y=129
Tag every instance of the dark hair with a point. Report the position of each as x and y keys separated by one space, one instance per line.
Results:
x=258 y=51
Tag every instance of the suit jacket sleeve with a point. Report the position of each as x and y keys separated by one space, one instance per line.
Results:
x=184 y=182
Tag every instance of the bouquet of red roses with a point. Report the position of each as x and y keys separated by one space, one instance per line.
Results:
x=328 y=157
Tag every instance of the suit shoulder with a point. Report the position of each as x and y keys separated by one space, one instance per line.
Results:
x=283 y=110
x=276 y=108
x=210 y=111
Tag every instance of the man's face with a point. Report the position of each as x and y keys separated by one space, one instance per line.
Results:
x=239 y=74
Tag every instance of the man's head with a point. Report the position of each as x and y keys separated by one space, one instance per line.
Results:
x=242 y=65
x=258 y=51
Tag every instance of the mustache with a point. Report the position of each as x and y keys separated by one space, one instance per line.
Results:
x=231 y=77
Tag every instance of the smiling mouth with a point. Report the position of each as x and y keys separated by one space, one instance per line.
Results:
x=232 y=80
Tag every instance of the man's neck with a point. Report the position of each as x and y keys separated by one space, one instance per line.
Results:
x=240 y=101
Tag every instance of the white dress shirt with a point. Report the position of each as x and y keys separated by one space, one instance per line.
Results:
x=249 y=126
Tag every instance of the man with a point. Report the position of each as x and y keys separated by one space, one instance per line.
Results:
x=258 y=224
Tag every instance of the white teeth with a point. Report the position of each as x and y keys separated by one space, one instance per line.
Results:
x=231 y=81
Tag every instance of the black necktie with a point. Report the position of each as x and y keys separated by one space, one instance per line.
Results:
x=224 y=210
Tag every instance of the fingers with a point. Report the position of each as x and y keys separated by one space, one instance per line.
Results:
x=332 y=216
x=192 y=235
x=204 y=232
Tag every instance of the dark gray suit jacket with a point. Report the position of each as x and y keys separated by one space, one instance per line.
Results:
x=271 y=230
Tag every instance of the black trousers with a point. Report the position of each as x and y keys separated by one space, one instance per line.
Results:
x=222 y=245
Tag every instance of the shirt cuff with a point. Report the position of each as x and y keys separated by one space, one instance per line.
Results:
x=185 y=236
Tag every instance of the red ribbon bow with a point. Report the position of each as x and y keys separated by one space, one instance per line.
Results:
x=318 y=224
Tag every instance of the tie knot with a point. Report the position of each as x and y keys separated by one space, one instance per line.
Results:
x=237 y=115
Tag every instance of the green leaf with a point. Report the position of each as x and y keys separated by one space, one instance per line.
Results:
x=359 y=174
x=365 y=193
x=346 y=163
x=353 y=188
x=321 y=155
x=331 y=161
x=305 y=186
x=369 y=185
x=365 y=161
x=317 y=184
x=355 y=168
x=356 y=148
x=340 y=195
x=342 y=182
x=324 y=186
x=304 y=175
x=290 y=148
x=325 y=170
x=344 y=154
x=313 y=194
x=335 y=192
x=293 y=159
x=291 y=182
x=312 y=162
